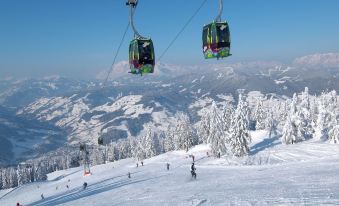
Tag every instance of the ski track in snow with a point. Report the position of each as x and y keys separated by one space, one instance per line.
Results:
x=274 y=174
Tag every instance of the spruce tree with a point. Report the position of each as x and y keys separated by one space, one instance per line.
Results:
x=217 y=134
x=184 y=136
x=204 y=127
x=240 y=138
x=169 y=139
x=333 y=134
x=289 y=133
x=260 y=115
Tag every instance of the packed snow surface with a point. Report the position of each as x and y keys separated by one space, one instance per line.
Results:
x=274 y=174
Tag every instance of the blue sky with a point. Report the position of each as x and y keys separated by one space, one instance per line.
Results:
x=78 y=38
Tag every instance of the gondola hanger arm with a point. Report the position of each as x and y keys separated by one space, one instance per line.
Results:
x=221 y=8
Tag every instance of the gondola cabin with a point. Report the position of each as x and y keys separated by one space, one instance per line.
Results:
x=216 y=40
x=141 y=56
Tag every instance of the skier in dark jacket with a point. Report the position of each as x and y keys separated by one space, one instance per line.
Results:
x=84 y=185
x=167 y=165
x=193 y=171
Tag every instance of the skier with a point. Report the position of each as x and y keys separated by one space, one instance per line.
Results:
x=167 y=165
x=18 y=204
x=193 y=158
x=84 y=185
x=42 y=196
x=142 y=163
x=193 y=171
x=137 y=164
x=129 y=175
x=67 y=186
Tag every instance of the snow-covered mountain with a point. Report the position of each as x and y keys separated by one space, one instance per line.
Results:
x=22 y=138
x=161 y=71
x=119 y=111
x=21 y=92
x=85 y=112
x=85 y=120
x=319 y=60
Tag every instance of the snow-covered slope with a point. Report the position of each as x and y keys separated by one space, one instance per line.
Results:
x=300 y=174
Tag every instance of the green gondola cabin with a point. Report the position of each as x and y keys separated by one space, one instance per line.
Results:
x=141 y=56
x=216 y=40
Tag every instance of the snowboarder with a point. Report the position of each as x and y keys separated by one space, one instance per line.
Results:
x=129 y=175
x=84 y=185
x=167 y=165
x=42 y=196
x=193 y=171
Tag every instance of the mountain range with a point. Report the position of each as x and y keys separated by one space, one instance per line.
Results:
x=48 y=113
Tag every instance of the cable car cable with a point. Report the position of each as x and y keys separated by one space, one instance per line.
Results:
x=116 y=55
x=182 y=30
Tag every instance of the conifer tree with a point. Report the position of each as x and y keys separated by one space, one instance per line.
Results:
x=240 y=138
x=260 y=115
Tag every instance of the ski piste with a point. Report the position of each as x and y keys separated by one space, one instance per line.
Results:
x=297 y=168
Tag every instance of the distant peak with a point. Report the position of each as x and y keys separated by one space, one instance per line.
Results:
x=322 y=60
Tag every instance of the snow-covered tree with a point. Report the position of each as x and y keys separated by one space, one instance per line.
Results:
x=271 y=124
x=169 y=138
x=217 y=134
x=1 y=179
x=204 y=126
x=227 y=115
x=323 y=120
x=296 y=124
x=305 y=123
x=260 y=115
x=239 y=137
x=138 y=151
x=283 y=113
x=20 y=177
x=134 y=145
x=184 y=135
x=333 y=134
x=289 y=133
x=13 y=178
x=150 y=142
x=161 y=138
x=5 y=179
